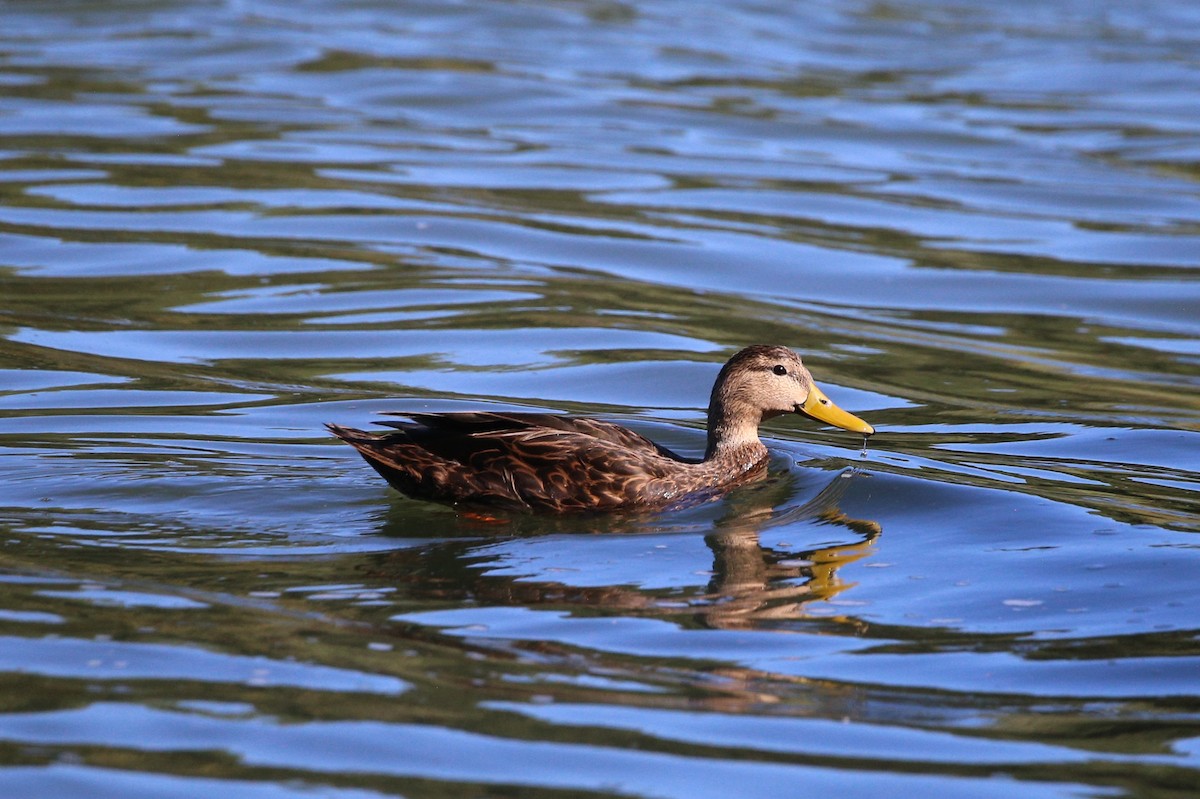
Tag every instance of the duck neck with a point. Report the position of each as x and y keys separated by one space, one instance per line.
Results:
x=733 y=432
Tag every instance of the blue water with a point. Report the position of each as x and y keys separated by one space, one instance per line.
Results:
x=223 y=225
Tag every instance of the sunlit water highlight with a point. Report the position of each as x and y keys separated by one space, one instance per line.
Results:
x=224 y=225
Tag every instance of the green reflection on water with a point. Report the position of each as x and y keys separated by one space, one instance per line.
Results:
x=238 y=239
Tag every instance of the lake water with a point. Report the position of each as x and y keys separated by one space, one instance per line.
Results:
x=224 y=224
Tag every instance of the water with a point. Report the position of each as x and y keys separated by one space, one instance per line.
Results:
x=222 y=225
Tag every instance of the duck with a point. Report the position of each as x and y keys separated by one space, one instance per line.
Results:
x=555 y=463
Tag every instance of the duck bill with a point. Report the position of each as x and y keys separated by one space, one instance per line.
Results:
x=821 y=408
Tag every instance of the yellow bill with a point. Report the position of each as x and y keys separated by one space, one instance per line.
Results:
x=821 y=408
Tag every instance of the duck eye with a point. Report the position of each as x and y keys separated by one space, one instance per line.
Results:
x=780 y=369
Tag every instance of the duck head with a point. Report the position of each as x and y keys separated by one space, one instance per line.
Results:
x=762 y=382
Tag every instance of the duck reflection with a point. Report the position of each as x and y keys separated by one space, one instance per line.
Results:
x=750 y=584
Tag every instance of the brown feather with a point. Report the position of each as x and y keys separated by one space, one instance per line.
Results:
x=556 y=463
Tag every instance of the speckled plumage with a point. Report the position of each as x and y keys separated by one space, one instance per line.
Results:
x=556 y=463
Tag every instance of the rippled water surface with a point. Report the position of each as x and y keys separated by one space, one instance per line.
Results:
x=223 y=224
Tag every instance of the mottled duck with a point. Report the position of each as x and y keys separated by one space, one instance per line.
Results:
x=560 y=464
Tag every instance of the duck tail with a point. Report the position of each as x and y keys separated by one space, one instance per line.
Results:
x=350 y=435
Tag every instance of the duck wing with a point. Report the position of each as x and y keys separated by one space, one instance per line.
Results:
x=517 y=460
x=486 y=424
